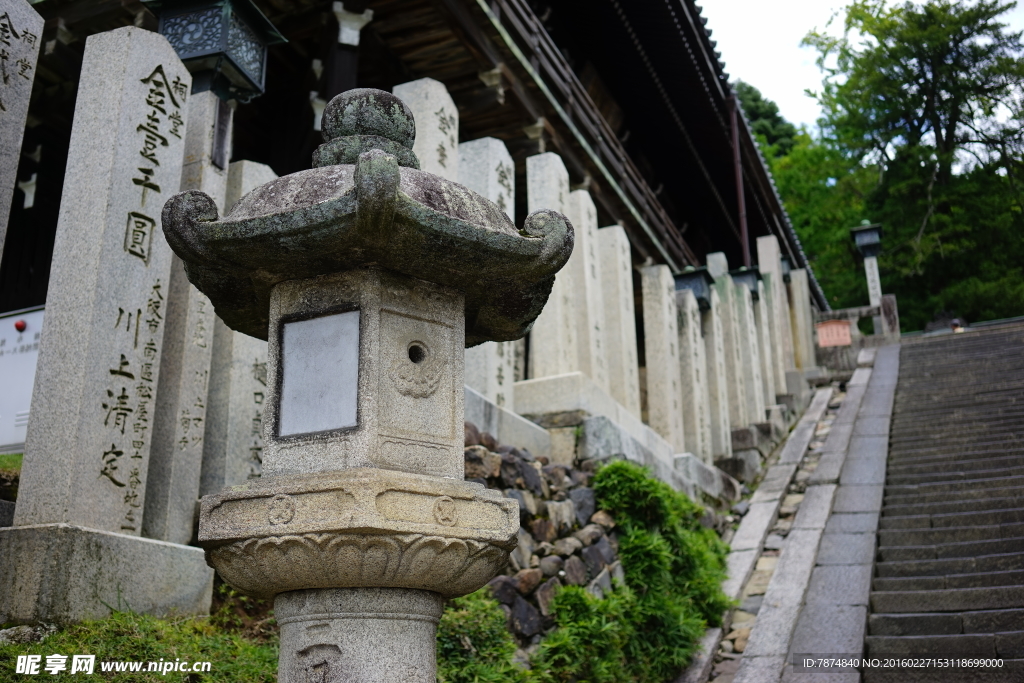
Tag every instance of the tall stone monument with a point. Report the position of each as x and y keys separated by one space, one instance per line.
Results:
x=769 y=261
x=553 y=339
x=764 y=343
x=233 y=438
x=750 y=354
x=486 y=167
x=588 y=300
x=736 y=384
x=437 y=126
x=661 y=348
x=179 y=418
x=718 y=378
x=21 y=31
x=75 y=547
x=616 y=268
x=693 y=373
x=802 y=319
x=362 y=523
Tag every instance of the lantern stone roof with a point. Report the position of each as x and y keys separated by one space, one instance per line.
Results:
x=366 y=203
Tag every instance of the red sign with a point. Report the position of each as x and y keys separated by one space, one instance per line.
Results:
x=834 y=333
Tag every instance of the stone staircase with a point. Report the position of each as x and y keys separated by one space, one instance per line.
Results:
x=949 y=573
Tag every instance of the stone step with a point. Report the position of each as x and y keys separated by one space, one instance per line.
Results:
x=938 y=551
x=900 y=502
x=978 y=484
x=918 y=478
x=908 y=431
x=899 y=454
x=940 y=458
x=951 y=507
x=954 y=565
x=1006 y=645
x=996 y=515
x=955 y=464
x=918 y=537
x=931 y=583
x=911 y=624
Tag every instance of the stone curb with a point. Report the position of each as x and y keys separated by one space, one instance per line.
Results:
x=747 y=543
x=765 y=658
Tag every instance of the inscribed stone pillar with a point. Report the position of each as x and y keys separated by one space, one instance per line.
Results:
x=874 y=289
x=20 y=30
x=693 y=374
x=74 y=551
x=717 y=375
x=88 y=444
x=661 y=347
x=802 y=319
x=769 y=261
x=731 y=340
x=764 y=343
x=584 y=273
x=619 y=317
x=437 y=126
x=750 y=354
x=553 y=339
x=486 y=167
x=233 y=439
x=179 y=417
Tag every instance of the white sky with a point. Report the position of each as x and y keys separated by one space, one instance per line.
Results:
x=760 y=44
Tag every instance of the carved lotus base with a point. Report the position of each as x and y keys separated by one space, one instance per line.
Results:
x=358 y=528
x=267 y=566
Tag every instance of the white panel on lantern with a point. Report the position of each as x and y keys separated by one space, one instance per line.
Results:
x=320 y=359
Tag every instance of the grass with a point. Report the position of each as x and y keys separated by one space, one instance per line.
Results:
x=11 y=462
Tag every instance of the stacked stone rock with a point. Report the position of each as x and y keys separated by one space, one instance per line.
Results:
x=563 y=538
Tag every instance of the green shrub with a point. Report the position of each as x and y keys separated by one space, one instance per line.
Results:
x=473 y=645
x=125 y=636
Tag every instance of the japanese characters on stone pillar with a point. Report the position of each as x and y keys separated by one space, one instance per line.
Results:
x=179 y=418
x=693 y=374
x=802 y=319
x=553 y=339
x=769 y=260
x=486 y=167
x=874 y=290
x=732 y=340
x=84 y=476
x=750 y=354
x=583 y=269
x=718 y=378
x=764 y=343
x=619 y=317
x=233 y=439
x=661 y=347
x=21 y=29
x=437 y=126
x=103 y=333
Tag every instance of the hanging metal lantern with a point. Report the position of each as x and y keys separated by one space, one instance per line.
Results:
x=698 y=281
x=748 y=277
x=223 y=44
x=868 y=238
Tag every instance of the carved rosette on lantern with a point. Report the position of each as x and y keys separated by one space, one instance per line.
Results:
x=368 y=278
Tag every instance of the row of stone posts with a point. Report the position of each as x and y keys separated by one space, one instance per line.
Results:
x=145 y=400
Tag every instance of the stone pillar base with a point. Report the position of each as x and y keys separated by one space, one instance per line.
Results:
x=59 y=573
x=364 y=635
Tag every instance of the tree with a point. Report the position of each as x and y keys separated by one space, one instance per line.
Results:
x=775 y=133
x=929 y=98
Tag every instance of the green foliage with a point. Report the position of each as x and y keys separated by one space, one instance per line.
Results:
x=473 y=645
x=647 y=630
x=922 y=131
x=125 y=636
x=775 y=133
x=11 y=462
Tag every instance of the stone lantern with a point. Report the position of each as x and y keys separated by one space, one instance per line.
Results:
x=748 y=277
x=868 y=238
x=368 y=278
